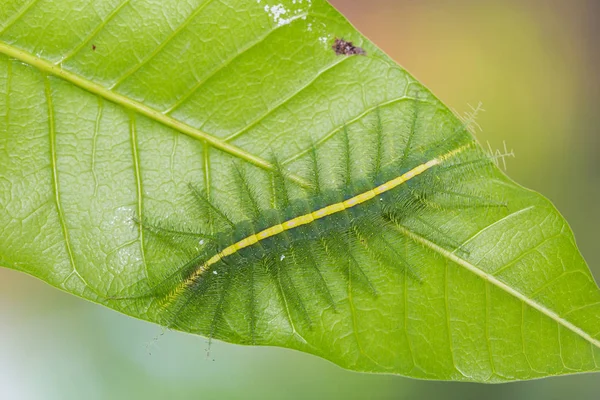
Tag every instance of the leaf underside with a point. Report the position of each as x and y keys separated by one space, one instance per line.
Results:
x=127 y=127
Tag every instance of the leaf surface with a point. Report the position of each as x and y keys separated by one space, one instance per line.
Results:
x=110 y=109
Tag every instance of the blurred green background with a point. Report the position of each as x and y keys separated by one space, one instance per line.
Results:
x=533 y=64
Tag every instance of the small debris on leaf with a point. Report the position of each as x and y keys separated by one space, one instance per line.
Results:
x=342 y=47
x=94 y=47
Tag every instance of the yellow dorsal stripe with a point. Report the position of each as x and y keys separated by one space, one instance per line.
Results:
x=320 y=213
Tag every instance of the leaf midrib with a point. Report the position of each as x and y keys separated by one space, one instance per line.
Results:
x=94 y=88
x=499 y=284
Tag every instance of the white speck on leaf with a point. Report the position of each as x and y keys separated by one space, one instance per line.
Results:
x=278 y=11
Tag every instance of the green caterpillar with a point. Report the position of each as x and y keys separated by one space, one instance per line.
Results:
x=296 y=252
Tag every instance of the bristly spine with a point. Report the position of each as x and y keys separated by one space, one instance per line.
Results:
x=296 y=248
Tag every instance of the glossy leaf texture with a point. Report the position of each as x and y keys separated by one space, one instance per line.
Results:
x=110 y=109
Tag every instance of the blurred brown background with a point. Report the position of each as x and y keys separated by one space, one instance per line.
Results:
x=534 y=64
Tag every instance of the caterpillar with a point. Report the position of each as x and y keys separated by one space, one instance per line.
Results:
x=303 y=250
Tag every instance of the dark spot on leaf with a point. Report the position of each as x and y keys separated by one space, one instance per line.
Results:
x=342 y=47
x=94 y=47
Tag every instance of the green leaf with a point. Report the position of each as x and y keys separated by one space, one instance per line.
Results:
x=111 y=109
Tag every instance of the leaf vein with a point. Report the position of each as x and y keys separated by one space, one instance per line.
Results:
x=7 y=98
x=523 y=347
x=139 y=189
x=490 y=279
x=285 y=100
x=487 y=327
x=339 y=128
x=17 y=15
x=355 y=320
x=447 y=309
x=503 y=219
x=155 y=115
x=406 y=319
x=94 y=32
x=220 y=67
x=162 y=45
x=522 y=255
x=55 y=181
x=95 y=143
